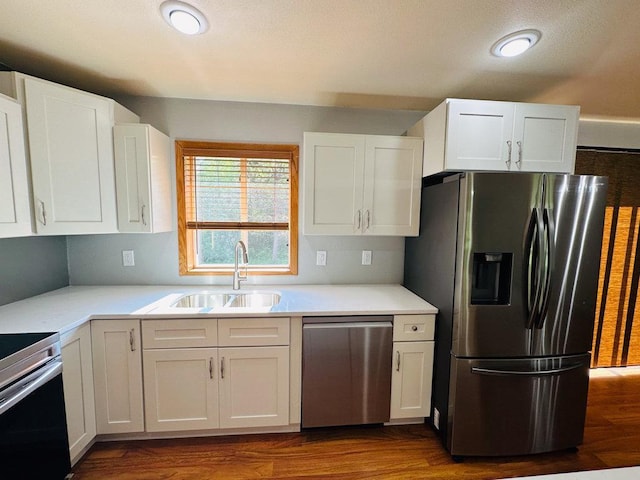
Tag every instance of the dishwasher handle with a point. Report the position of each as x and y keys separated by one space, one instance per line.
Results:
x=343 y=325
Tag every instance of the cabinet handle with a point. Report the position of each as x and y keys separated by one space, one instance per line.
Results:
x=397 y=360
x=211 y=368
x=144 y=220
x=222 y=367
x=368 y=220
x=508 y=162
x=43 y=213
x=132 y=340
x=519 y=161
x=359 y=221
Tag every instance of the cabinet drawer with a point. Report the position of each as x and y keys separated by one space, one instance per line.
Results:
x=413 y=327
x=179 y=333
x=247 y=332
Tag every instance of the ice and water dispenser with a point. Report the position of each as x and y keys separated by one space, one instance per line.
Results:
x=491 y=280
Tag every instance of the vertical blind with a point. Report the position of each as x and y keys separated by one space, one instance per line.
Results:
x=616 y=340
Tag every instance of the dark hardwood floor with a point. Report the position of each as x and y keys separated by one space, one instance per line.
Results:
x=612 y=439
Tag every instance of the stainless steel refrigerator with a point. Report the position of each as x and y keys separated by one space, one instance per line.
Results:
x=511 y=261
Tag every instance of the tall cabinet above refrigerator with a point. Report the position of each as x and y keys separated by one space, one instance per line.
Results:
x=511 y=261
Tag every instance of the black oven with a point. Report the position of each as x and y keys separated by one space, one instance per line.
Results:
x=33 y=429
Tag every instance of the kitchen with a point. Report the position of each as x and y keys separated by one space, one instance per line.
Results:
x=95 y=259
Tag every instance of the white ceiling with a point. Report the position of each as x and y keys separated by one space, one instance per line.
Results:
x=399 y=54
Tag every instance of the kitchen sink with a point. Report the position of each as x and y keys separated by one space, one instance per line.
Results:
x=255 y=299
x=248 y=300
x=203 y=300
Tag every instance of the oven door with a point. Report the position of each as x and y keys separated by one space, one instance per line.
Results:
x=33 y=430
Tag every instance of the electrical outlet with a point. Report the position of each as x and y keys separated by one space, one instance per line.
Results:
x=128 y=259
x=366 y=257
x=321 y=257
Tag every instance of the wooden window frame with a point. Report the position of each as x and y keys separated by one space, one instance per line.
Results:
x=186 y=247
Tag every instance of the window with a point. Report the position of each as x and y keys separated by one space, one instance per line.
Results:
x=237 y=191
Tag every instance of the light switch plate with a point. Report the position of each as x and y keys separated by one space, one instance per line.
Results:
x=366 y=257
x=321 y=258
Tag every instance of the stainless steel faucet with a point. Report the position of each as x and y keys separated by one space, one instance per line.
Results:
x=241 y=248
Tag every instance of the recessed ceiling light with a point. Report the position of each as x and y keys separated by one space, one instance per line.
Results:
x=183 y=17
x=515 y=43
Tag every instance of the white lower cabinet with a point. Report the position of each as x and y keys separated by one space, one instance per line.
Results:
x=254 y=387
x=411 y=379
x=412 y=372
x=193 y=382
x=77 y=377
x=181 y=389
x=117 y=369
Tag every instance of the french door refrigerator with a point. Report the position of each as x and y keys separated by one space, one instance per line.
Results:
x=511 y=261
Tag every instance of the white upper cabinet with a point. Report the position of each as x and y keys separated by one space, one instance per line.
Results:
x=361 y=184
x=15 y=210
x=70 y=140
x=498 y=136
x=143 y=178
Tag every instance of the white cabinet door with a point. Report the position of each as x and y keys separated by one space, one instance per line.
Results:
x=117 y=370
x=71 y=154
x=143 y=182
x=181 y=389
x=478 y=135
x=77 y=376
x=333 y=183
x=254 y=386
x=15 y=210
x=545 y=138
x=392 y=184
x=361 y=184
x=411 y=379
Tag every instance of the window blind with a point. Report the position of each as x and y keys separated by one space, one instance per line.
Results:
x=237 y=193
x=616 y=340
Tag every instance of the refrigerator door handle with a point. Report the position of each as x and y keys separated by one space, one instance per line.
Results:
x=524 y=373
x=549 y=235
x=533 y=267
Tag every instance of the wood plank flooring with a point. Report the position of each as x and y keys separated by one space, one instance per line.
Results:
x=612 y=439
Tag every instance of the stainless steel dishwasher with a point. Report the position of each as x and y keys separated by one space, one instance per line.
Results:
x=346 y=370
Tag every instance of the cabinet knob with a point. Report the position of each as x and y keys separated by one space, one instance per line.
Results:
x=414 y=328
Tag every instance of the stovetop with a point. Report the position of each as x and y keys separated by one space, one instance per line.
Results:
x=11 y=343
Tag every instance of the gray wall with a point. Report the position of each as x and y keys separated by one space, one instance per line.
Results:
x=31 y=265
x=97 y=259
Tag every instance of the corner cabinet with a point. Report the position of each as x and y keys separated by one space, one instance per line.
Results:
x=361 y=184
x=143 y=178
x=70 y=148
x=462 y=135
x=216 y=373
x=413 y=348
x=77 y=377
x=15 y=210
x=117 y=369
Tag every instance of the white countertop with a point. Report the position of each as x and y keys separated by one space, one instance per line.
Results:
x=69 y=307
